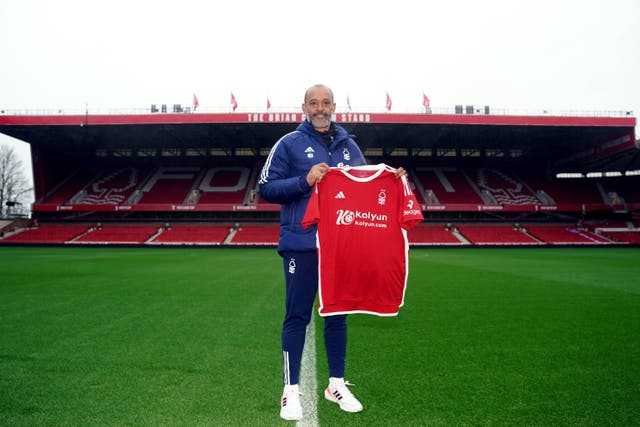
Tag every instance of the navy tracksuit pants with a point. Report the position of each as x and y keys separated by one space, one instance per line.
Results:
x=301 y=278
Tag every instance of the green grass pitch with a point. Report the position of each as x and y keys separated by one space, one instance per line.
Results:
x=191 y=337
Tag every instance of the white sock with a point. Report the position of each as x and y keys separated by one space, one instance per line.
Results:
x=336 y=382
x=291 y=388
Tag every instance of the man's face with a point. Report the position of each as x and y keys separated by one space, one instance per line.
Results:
x=319 y=107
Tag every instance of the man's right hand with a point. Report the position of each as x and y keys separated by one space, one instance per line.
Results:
x=316 y=173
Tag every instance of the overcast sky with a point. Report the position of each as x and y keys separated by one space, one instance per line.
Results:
x=557 y=55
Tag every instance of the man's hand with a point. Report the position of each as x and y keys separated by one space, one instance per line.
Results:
x=316 y=173
x=400 y=172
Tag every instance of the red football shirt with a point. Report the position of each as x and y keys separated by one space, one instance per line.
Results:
x=363 y=214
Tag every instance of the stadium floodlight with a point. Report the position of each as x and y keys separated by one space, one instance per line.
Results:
x=613 y=174
x=632 y=173
x=594 y=175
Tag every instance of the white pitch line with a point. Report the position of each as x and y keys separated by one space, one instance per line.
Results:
x=308 y=382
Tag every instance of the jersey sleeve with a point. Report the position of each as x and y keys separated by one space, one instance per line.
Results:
x=312 y=214
x=410 y=213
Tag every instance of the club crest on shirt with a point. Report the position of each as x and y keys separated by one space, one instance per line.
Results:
x=346 y=155
x=382 y=197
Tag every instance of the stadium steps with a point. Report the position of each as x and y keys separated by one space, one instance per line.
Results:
x=562 y=234
x=230 y=236
x=256 y=234
x=531 y=236
x=490 y=234
x=81 y=235
x=460 y=237
x=153 y=237
x=47 y=234
x=433 y=234
x=191 y=234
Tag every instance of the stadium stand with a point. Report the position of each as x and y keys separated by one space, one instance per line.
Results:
x=563 y=234
x=61 y=193
x=164 y=185
x=186 y=234
x=253 y=234
x=168 y=185
x=619 y=192
x=119 y=234
x=226 y=185
x=568 y=191
x=433 y=234
x=448 y=186
x=503 y=187
x=631 y=237
x=111 y=187
x=618 y=231
x=236 y=185
x=496 y=235
x=138 y=173
x=47 y=234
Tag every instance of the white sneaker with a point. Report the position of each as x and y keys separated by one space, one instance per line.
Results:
x=290 y=408
x=338 y=392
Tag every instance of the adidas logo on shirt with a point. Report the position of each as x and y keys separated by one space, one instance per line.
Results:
x=340 y=195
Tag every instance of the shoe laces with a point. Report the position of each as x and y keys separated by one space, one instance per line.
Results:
x=292 y=393
x=346 y=383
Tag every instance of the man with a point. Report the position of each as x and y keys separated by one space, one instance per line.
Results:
x=295 y=164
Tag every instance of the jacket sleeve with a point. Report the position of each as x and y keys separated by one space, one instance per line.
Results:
x=276 y=183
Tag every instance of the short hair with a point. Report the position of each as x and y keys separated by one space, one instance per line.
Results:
x=318 y=85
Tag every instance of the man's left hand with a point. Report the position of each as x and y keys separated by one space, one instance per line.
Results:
x=400 y=172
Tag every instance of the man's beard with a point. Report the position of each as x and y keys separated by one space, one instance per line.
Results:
x=326 y=121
